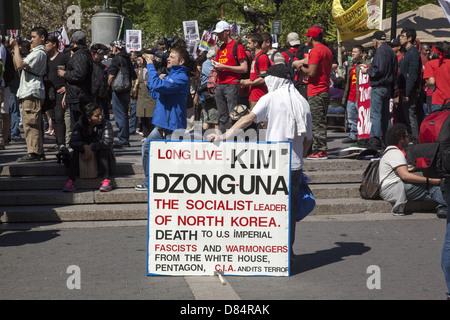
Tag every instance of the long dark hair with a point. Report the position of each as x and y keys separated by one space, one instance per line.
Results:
x=87 y=112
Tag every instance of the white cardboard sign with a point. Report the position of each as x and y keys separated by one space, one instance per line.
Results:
x=218 y=208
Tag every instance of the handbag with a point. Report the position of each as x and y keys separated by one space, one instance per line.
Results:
x=305 y=200
x=122 y=81
x=88 y=168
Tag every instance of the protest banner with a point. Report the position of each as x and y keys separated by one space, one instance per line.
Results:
x=445 y=5
x=62 y=36
x=190 y=29
x=208 y=40
x=133 y=40
x=218 y=208
x=362 y=18
x=364 y=91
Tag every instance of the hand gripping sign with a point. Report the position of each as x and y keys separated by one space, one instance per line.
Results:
x=218 y=208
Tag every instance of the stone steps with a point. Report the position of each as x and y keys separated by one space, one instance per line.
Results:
x=33 y=192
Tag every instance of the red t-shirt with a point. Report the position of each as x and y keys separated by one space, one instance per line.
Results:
x=258 y=91
x=441 y=74
x=323 y=58
x=225 y=56
x=352 y=92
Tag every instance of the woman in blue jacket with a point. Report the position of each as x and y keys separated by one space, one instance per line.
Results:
x=170 y=93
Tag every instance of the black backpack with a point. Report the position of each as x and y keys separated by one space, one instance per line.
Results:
x=371 y=184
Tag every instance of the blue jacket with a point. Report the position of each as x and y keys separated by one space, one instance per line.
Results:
x=170 y=94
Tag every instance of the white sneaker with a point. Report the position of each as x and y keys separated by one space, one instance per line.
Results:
x=141 y=187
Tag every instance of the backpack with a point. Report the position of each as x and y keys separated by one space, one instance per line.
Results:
x=288 y=65
x=212 y=81
x=371 y=184
x=10 y=71
x=431 y=155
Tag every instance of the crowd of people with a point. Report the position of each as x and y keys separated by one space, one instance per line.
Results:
x=160 y=91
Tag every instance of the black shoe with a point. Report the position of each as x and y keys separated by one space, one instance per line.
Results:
x=31 y=157
x=349 y=140
x=441 y=212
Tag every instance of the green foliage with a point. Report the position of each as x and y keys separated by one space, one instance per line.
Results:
x=163 y=18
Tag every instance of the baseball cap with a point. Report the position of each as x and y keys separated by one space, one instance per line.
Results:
x=120 y=44
x=221 y=26
x=79 y=37
x=277 y=70
x=379 y=35
x=313 y=32
x=395 y=42
x=293 y=39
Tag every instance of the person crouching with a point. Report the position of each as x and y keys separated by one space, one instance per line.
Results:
x=92 y=136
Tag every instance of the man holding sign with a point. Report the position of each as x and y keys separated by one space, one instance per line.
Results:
x=288 y=117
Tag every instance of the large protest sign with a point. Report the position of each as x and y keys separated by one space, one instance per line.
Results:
x=133 y=40
x=362 y=18
x=218 y=208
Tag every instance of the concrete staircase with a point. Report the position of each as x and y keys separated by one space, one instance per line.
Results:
x=32 y=192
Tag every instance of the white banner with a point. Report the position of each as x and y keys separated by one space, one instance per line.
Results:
x=445 y=5
x=133 y=40
x=218 y=208
x=190 y=29
x=63 y=38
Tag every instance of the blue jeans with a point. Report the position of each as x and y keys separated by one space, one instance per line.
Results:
x=156 y=134
x=416 y=192
x=14 y=110
x=445 y=260
x=379 y=111
x=133 y=116
x=352 y=117
x=120 y=102
x=435 y=107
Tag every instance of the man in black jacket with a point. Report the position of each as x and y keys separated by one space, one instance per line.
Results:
x=121 y=98
x=410 y=84
x=382 y=76
x=78 y=77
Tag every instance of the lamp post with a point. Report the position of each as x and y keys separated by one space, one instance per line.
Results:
x=277 y=4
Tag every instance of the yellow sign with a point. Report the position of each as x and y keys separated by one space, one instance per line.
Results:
x=362 y=18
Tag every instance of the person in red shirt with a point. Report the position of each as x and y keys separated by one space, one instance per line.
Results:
x=259 y=66
x=230 y=62
x=318 y=70
x=437 y=74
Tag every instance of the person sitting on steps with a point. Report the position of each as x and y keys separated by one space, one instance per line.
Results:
x=92 y=134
